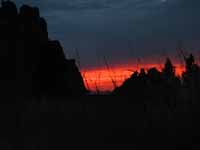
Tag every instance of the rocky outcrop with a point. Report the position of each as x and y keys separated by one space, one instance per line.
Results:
x=30 y=63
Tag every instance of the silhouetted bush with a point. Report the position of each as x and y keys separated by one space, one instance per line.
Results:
x=165 y=86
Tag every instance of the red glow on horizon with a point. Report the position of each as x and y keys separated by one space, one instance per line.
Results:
x=101 y=78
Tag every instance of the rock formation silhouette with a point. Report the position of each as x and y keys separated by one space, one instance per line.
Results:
x=30 y=63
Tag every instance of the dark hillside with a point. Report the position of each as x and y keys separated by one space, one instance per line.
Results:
x=97 y=122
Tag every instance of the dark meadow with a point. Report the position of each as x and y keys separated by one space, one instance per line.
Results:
x=45 y=104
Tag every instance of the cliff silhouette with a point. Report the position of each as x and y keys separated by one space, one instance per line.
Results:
x=30 y=63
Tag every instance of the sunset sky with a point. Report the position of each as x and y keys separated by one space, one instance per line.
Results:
x=102 y=78
x=121 y=30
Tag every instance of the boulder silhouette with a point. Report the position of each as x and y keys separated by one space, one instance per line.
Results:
x=30 y=63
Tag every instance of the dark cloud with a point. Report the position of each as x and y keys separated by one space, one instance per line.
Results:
x=70 y=5
x=111 y=27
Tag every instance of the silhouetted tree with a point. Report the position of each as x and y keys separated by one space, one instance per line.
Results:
x=191 y=79
x=168 y=70
x=171 y=84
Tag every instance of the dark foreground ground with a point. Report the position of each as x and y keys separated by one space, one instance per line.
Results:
x=95 y=122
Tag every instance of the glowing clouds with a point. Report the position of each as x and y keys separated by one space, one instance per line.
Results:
x=102 y=79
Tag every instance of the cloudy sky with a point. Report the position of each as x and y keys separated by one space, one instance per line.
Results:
x=120 y=29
